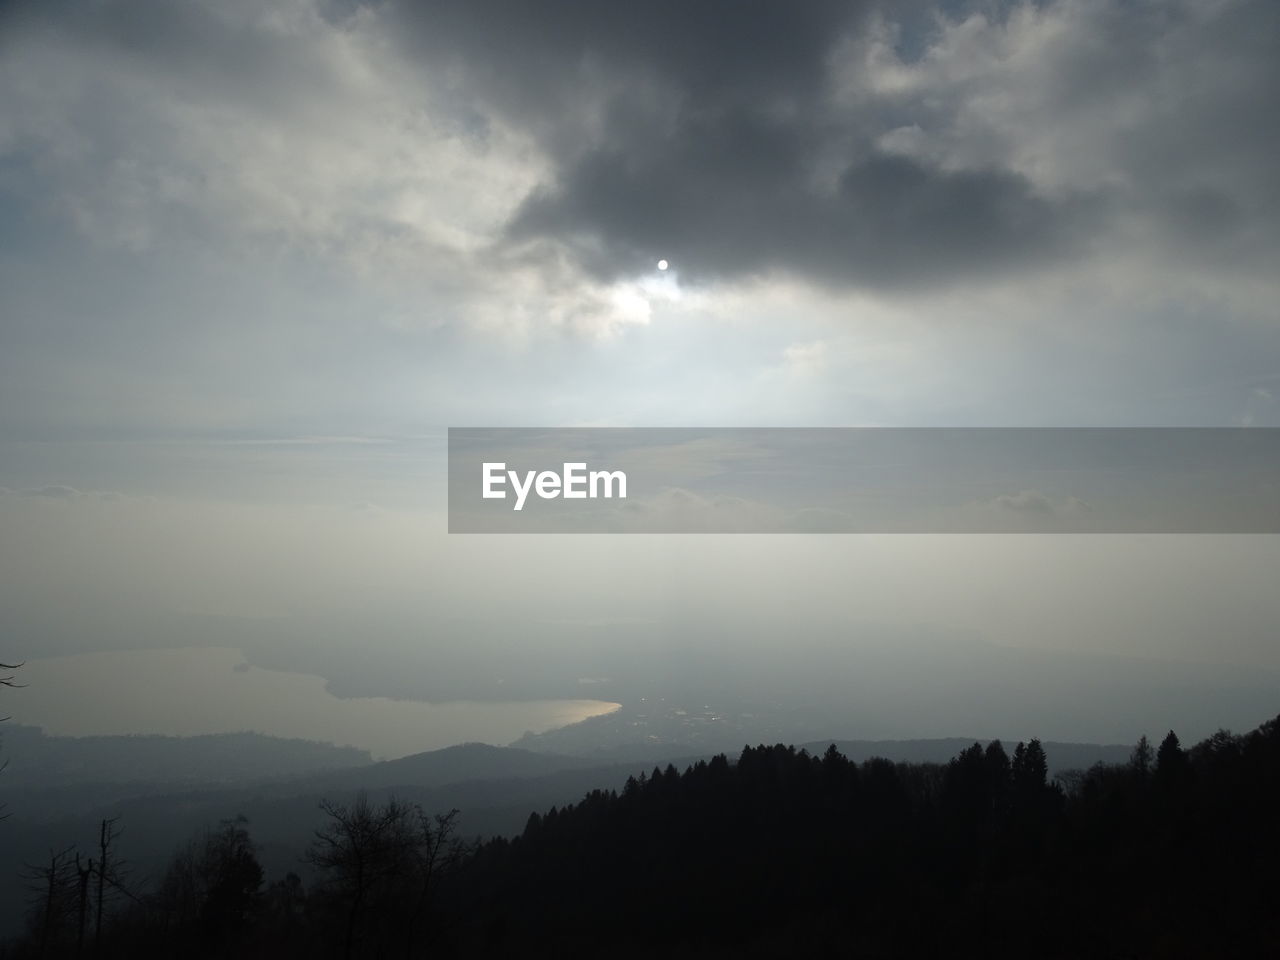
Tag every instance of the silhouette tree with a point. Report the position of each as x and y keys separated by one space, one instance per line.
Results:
x=996 y=762
x=52 y=886
x=83 y=875
x=8 y=680
x=439 y=852
x=1030 y=768
x=381 y=864
x=232 y=877
x=968 y=786
x=780 y=853
x=106 y=868
x=1140 y=759
x=11 y=679
x=1173 y=768
x=360 y=851
x=1170 y=756
x=211 y=889
x=285 y=904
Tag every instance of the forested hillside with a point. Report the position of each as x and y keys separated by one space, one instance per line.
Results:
x=776 y=852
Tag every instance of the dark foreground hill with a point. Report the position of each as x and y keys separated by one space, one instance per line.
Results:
x=1060 y=756
x=1172 y=854
x=494 y=787
x=778 y=852
x=436 y=768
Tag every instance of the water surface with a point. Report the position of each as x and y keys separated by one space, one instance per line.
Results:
x=198 y=690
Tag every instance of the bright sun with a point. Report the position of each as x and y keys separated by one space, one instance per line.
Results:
x=662 y=264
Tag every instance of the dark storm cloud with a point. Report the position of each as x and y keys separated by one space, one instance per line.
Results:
x=719 y=212
x=868 y=143
x=713 y=134
x=713 y=52
x=708 y=153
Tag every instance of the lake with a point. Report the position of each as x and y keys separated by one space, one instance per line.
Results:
x=196 y=690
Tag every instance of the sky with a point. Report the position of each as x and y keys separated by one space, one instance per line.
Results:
x=256 y=257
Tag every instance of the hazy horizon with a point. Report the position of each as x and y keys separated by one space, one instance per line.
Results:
x=255 y=259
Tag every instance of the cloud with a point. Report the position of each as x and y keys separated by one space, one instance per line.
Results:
x=59 y=491
x=889 y=221
x=866 y=144
x=870 y=145
x=1033 y=503
x=159 y=120
x=298 y=217
x=56 y=492
x=1025 y=501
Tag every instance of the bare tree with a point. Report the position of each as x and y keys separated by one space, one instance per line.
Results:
x=212 y=885
x=62 y=897
x=52 y=885
x=82 y=889
x=362 y=851
x=439 y=852
x=382 y=862
x=1140 y=759
x=106 y=868
x=8 y=680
